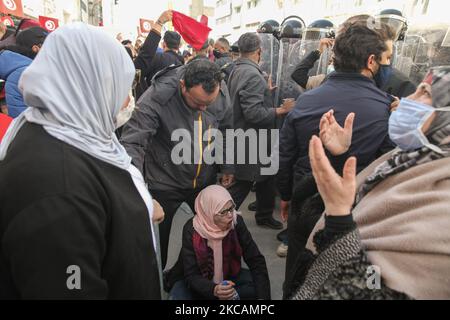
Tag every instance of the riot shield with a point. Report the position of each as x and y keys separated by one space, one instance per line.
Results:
x=424 y=47
x=290 y=55
x=270 y=47
x=311 y=38
x=398 y=24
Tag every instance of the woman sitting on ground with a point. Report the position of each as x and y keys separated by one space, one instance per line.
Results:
x=214 y=242
x=393 y=243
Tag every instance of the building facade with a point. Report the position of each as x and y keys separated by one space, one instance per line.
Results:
x=235 y=17
x=95 y=12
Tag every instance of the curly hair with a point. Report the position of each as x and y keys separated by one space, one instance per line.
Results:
x=203 y=72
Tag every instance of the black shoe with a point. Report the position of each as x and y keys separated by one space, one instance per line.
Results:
x=270 y=223
x=282 y=235
x=252 y=207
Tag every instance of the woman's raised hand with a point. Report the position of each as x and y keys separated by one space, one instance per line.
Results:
x=336 y=139
x=338 y=193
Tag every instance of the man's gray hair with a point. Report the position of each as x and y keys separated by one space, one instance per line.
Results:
x=224 y=43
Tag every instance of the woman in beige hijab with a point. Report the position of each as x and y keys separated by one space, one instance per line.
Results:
x=214 y=243
x=393 y=242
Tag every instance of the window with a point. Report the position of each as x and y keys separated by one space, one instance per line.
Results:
x=253 y=25
x=237 y=10
x=253 y=3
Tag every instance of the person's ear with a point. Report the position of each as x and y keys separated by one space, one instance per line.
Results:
x=36 y=48
x=183 y=85
x=371 y=63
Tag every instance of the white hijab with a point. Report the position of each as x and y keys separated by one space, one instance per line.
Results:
x=75 y=89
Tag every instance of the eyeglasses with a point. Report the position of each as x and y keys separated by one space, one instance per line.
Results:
x=227 y=211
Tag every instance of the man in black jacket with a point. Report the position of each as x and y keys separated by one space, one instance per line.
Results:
x=170 y=56
x=360 y=56
x=222 y=52
x=144 y=61
x=184 y=103
x=253 y=110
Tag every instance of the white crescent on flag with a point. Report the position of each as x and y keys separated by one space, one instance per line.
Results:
x=10 y=4
x=147 y=26
x=7 y=21
x=12 y=7
x=50 y=25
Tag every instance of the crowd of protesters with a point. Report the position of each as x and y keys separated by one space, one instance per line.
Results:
x=87 y=168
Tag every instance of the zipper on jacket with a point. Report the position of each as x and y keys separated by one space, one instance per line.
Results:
x=209 y=137
x=200 y=144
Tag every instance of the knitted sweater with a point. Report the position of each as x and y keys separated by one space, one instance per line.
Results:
x=340 y=270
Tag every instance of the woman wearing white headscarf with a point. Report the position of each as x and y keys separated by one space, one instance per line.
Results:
x=75 y=214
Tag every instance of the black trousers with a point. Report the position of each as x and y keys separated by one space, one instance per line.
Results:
x=301 y=222
x=265 y=196
x=171 y=201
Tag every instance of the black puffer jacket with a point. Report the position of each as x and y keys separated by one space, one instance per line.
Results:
x=161 y=111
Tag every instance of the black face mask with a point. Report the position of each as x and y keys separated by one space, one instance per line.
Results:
x=217 y=54
x=383 y=75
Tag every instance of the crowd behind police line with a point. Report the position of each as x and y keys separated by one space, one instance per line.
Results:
x=86 y=173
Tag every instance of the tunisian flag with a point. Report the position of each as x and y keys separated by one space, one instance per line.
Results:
x=49 y=24
x=13 y=7
x=146 y=25
x=192 y=31
x=7 y=21
x=5 y=121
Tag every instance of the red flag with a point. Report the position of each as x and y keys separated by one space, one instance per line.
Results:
x=13 y=7
x=7 y=21
x=192 y=31
x=49 y=24
x=204 y=20
x=5 y=121
x=146 y=25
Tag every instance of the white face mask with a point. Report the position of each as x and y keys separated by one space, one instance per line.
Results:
x=330 y=69
x=125 y=114
x=405 y=125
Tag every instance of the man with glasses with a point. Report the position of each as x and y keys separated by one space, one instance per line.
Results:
x=192 y=101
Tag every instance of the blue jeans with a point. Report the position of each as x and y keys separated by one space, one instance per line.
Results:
x=244 y=287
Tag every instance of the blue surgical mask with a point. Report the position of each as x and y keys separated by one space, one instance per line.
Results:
x=383 y=75
x=405 y=125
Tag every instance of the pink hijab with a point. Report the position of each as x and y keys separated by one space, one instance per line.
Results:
x=208 y=204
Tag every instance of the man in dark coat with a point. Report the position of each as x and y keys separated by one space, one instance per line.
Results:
x=184 y=103
x=170 y=56
x=360 y=54
x=222 y=52
x=253 y=109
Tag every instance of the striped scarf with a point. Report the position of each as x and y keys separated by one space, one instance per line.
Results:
x=399 y=162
